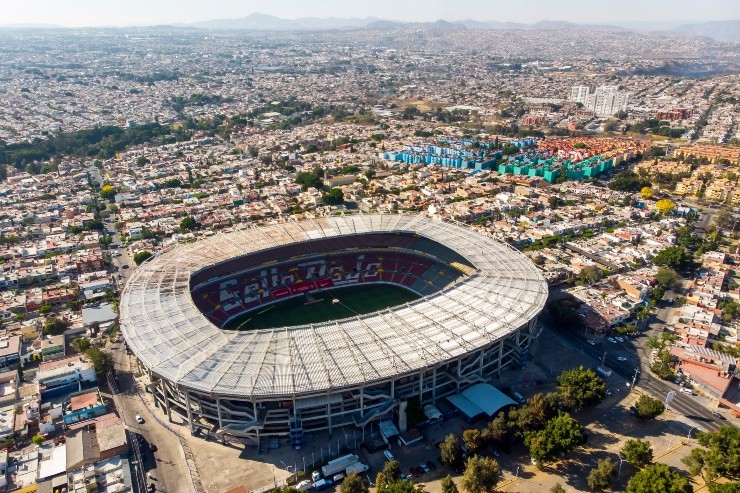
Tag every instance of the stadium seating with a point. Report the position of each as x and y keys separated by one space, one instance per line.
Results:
x=411 y=261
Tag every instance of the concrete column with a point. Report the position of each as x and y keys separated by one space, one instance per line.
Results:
x=166 y=399
x=328 y=413
x=500 y=356
x=189 y=411
x=218 y=409
x=434 y=386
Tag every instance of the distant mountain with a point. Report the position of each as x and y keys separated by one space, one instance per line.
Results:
x=265 y=22
x=571 y=26
x=717 y=30
x=474 y=24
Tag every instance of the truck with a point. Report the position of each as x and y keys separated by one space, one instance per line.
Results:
x=322 y=484
x=357 y=468
x=338 y=465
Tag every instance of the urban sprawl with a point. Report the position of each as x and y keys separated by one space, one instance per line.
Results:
x=609 y=158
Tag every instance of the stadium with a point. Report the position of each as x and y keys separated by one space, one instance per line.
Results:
x=217 y=325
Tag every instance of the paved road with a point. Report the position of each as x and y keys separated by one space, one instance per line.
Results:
x=167 y=464
x=683 y=404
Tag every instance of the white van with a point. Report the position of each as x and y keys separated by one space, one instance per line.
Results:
x=686 y=391
x=519 y=397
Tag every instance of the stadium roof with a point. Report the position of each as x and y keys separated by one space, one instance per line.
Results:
x=168 y=333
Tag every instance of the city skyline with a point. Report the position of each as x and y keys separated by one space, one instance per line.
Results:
x=82 y=13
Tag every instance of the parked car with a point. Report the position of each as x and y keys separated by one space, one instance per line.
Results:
x=717 y=415
x=608 y=392
x=424 y=467
x=388 y=455
x=413 y=472
x=592 y=342
x=612 y=340
x=431 y=465
x=621 y=358
x=620 y=338
x=151 y=488
x=139 y=419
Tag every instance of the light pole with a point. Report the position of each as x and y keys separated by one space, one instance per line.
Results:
x=698 y=428
x=620 y=463
x=517 y=471
x=634 y=379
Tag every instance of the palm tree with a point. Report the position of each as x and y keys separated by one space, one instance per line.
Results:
x=644 y=312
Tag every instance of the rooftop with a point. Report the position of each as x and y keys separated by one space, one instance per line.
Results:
x=171 y=336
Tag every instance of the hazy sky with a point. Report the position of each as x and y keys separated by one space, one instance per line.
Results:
x=147 y=12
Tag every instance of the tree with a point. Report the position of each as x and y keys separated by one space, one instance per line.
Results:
x=561 y=435
x=581 y=387
x=353 y=484
x=719 y=457
x=658 y=478
x=108 y=192
x=590 y=275
x=334 y=196
x=628 y=181
x=558 y=488
x=553 y=202
x=46 y=308
x=141 y=256
x=309 y=179
x=724 y=488
x=649 y=408
x=601 y=476
x=448 y=485
x=380 y=481
x=472 y=439
x=726 y=219
x=646 y=192
x=450 y=450
x=392 y=471
x=675 y=257
x=543 y=407
x=643 y=312
x=189 y=224
x=665 y=206
x=37 y=439
x=80 y=344
x=400 y=487
x=498 y=430
x=54 y=326
x=639 y=453
x=667 y=278
x=102 y=360
x=481 y=474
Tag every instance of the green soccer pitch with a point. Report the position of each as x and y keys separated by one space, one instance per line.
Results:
x=319 y=306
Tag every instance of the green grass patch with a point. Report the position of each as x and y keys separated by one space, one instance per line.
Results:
x=353 y=300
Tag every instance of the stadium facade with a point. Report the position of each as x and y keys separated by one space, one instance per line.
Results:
x=476 y=316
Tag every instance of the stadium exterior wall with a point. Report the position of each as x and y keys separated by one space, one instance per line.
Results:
x=257 y=384
x=282 y=416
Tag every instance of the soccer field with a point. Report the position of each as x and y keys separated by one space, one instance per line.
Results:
x=352 y=300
